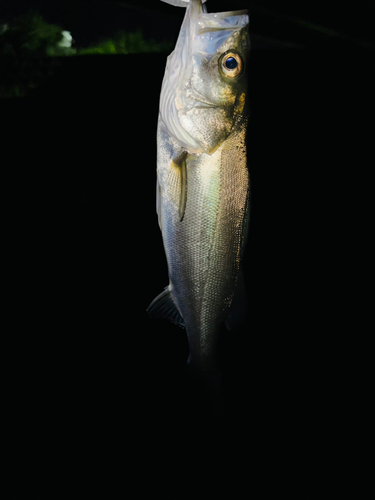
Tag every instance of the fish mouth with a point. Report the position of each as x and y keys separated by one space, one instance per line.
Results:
x=222 y=21
x=224 y=15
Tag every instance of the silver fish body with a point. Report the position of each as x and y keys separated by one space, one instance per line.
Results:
x=203 y=181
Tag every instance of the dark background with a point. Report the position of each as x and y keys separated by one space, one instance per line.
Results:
x=94 y=389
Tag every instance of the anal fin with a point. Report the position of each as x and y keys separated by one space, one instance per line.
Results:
x=164 y=307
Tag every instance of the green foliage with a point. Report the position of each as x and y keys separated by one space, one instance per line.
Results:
x=124 y=42
x=29 y=46
x=25 y=45
x=30 y=35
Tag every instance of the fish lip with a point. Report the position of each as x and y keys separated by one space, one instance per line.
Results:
x=206 y=17
x=227 y=13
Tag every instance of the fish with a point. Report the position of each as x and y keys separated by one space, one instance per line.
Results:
x=203 y=181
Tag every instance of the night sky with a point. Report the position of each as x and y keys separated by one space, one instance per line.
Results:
x=293 y=21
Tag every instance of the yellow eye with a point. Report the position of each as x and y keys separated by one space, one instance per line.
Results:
x=231 y=65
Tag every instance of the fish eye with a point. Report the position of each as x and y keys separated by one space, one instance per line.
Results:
x=231 y=65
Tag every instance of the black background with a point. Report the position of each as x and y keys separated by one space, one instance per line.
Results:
x=95 y=387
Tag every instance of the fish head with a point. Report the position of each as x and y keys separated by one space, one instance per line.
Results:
x=205 y=83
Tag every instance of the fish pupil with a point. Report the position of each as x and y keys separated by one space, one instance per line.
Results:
x=231 y=63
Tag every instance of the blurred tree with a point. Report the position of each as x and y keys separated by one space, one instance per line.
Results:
x=124 y=42
x=31 y=35
x=29 y=43
x=25 y=44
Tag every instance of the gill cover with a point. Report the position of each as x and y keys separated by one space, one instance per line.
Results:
x=199 y=99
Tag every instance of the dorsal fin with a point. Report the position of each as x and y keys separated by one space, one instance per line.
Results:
x=164 y=307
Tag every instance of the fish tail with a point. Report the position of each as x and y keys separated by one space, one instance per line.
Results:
x=179 y=3
x=206 y=387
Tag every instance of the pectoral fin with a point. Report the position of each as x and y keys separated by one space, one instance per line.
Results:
x=158 y=201
x=183 y=196
x=180 y=164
